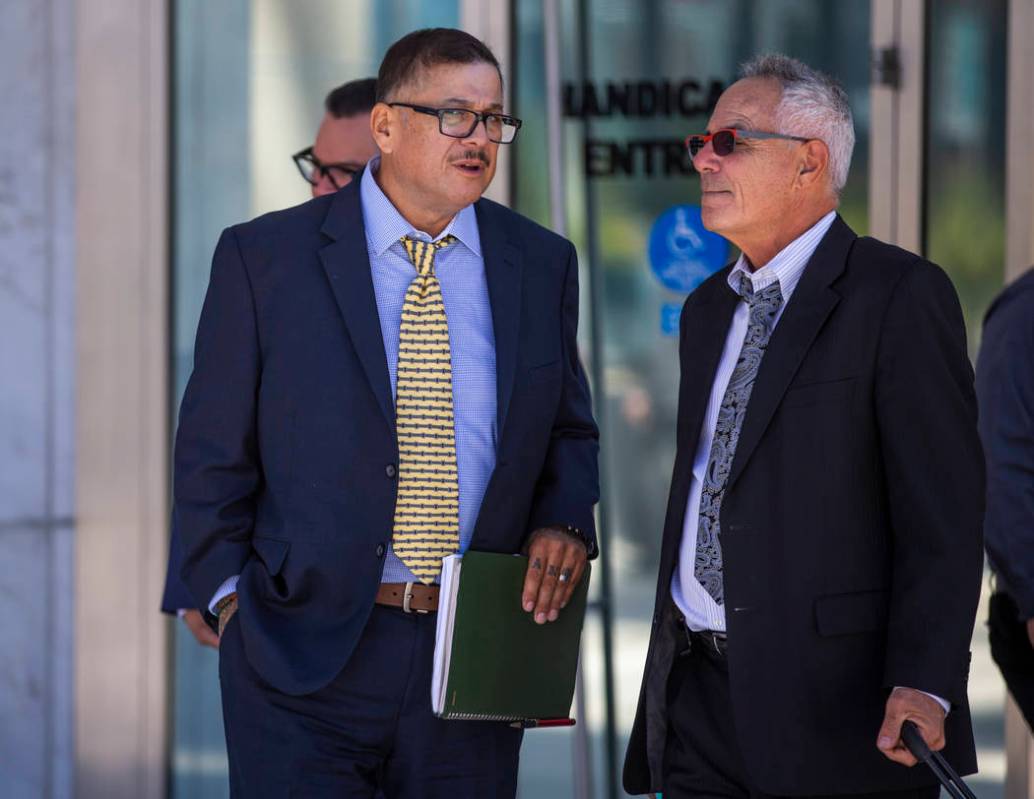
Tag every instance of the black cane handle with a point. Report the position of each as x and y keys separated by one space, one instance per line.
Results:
x=914 y=741
x=951 y=781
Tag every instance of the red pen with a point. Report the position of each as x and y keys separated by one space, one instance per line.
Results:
x=530 y=724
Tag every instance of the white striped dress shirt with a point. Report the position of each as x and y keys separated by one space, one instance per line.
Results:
x=699 y=608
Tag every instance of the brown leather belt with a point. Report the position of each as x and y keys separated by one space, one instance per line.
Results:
x=411 y=597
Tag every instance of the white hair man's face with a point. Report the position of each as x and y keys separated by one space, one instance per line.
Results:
x=750 y=189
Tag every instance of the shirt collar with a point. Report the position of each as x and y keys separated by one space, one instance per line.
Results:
x=788 y=265
x=385 y=225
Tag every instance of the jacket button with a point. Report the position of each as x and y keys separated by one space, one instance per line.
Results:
x=390 y=470
x=380 y=550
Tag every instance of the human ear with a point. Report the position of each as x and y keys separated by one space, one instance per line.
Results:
x=813 y=162
x=384 y=127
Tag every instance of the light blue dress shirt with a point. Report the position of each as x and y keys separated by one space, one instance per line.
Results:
x=461 y=273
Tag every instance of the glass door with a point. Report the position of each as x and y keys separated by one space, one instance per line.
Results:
x=964 y=232
x=638 y=77
x=250 y=77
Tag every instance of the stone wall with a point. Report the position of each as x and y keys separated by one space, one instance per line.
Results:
x=37 y=394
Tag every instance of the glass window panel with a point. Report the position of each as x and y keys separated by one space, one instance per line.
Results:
x=964 y=221
x=965 y=150
x=638 y=51
x=249 y=81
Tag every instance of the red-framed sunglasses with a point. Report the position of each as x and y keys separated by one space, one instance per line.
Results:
x=724 y=141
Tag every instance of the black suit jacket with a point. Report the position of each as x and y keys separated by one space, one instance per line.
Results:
x=850 y=523
x=287 y=427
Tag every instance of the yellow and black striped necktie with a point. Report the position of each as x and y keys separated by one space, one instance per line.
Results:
x=427 y=524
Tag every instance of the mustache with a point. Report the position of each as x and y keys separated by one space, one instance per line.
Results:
x=471 y=155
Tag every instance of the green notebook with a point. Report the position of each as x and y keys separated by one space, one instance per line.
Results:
x=491 y=661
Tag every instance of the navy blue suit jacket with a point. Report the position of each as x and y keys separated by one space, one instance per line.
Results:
x=1005 y=386
x=176 y=595
x=287 y=426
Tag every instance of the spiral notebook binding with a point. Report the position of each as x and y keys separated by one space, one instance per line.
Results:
x=481 y=717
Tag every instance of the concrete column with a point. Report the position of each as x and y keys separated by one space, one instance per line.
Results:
x=121 y=202
x=37 y=93
x=896 y=132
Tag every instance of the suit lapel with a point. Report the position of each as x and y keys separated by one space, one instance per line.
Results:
x=347 y=265
x=810 y=305
x=503 y=273
x=702 y=340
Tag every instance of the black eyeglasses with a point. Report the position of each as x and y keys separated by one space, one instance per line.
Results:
x=461 y=122
x=724 y=141
x=313 y=169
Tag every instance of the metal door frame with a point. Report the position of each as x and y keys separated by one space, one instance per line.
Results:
x=897 y=195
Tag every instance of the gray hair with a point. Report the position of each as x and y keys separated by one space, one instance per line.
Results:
x=813 y=105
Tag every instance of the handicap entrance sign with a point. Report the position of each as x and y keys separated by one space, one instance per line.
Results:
x=671 y=312
x=683 y=254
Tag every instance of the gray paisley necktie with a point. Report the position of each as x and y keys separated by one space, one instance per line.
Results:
x=763 y=308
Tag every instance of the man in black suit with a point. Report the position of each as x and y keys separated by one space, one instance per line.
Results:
x=821 y=558
x=1005 y=386
x=382 y=376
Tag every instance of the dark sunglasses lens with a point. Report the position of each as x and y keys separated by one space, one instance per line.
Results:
x=723 y=142
x=696 y=144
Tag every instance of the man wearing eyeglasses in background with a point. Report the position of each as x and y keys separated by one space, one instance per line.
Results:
x=343 y=142
x=383 y=376
x=343 y=146
x=821 y=557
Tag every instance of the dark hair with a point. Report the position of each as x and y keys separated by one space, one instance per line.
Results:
x=426 y=48
x=354 y=97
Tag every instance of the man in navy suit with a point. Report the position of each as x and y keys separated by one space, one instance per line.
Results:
x=1005 y=387
x=821 y=558
x=297 y=435
x=176 y=598
x=343 y=145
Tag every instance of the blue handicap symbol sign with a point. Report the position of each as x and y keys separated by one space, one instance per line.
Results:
x=671 y=313
x=683 y=253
